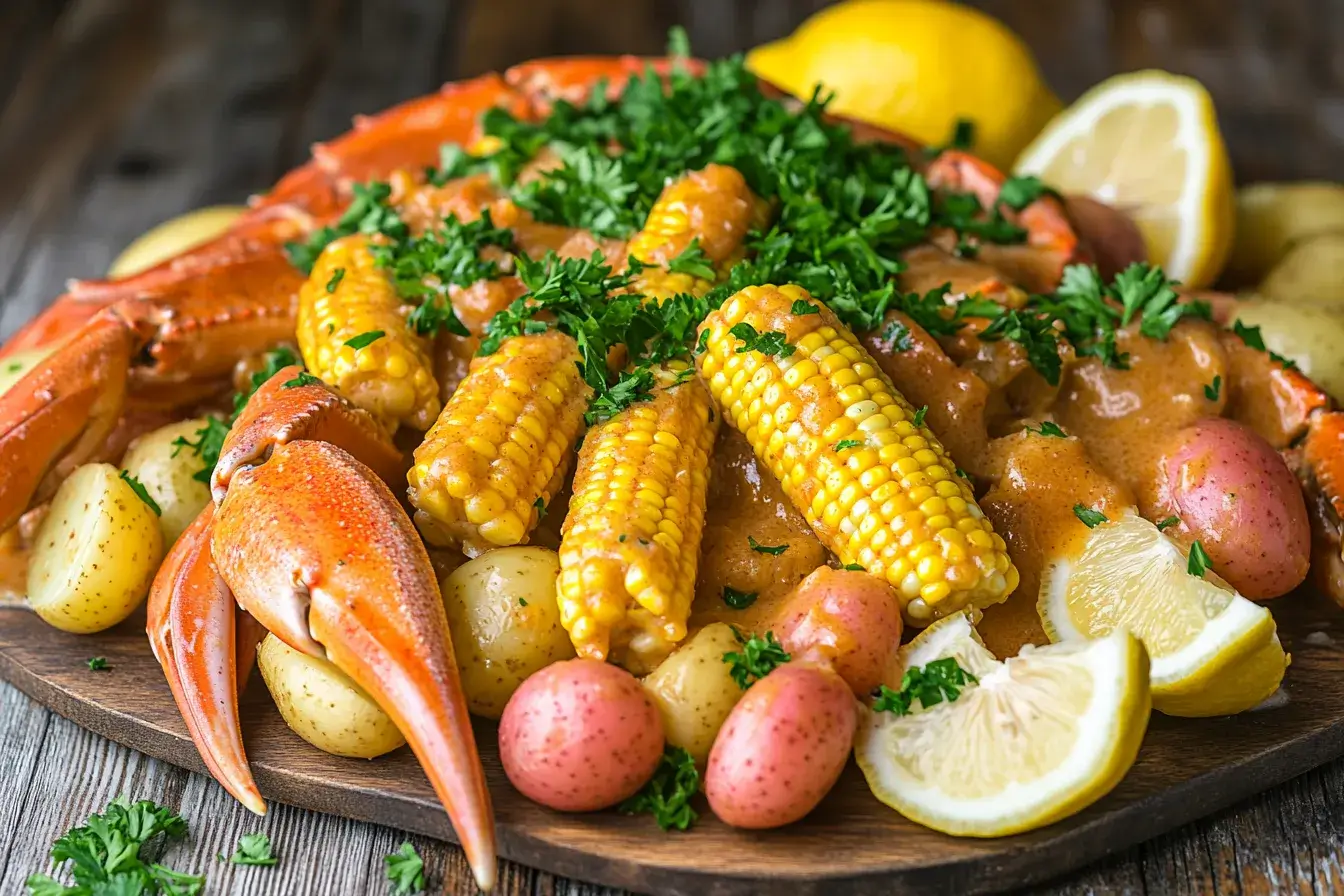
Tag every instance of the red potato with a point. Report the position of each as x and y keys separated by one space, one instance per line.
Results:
x=580 y=735
x=782 y=747
x=846 y=619
x=1236 y=496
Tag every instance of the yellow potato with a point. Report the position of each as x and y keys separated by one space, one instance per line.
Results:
x=95 y=554
x=17 y=365
x=173 y=237
x=1312 y=272
x=504 y=622
x=694 y=690
x=1272 y=218
x=1310 y=335
x=322 y=705
x=168 y=474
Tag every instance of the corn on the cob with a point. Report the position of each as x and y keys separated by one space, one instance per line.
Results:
x=348 y=297
x=877 y=486
x=631 y=541
x=713 y=206
x=501 y=446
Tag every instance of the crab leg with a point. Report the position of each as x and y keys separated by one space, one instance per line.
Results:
x=357 y=588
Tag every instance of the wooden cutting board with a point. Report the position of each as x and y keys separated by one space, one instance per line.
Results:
x=851 y=843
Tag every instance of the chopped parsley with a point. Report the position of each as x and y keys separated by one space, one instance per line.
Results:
x=303 y=379
x=106 y=855
x=692 y=261
x=253 y=849
x=667 y=795
x=803 y=306
x=930 y=684
x=853 y=567
x=1048 y=430
x=770 y=343
x=141 y=492
x=540 y=505
x=738 y=600
x=98 y=664
x=846 y=444
x=367 y=213
x=1168 y=523
x=757 y=659
x=1088 y=517
x=405 y=870
x=1214 y=389
x=1198 y=561
x=1020 y=191
x=364 y=340
x=335 y=280
x=920 y=414
x=1253 y=338
x=766 y=549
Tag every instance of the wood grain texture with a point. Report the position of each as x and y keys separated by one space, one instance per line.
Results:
x=115 y=114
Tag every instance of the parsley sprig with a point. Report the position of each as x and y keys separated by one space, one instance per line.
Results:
x=930 y=684
x=667 y=795
x=405 y=870
x=757 y=659
x=108 y=854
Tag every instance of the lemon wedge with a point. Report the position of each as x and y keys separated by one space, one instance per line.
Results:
x=1038 y=738
x=1213 y=651
x=173 y=237
x=1148 y=143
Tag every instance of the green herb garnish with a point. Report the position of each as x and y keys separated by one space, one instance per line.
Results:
x=667 y=795
x=141 y=492
x=920 y=414
x=846 y=444
x=253 y=849
x=771 y=343
x=303 y=379
x=335 y=280
x=1048 y=430
x=766 y=549
x=757 y=659
x=1214 y=389
x=930 y=684
x=364 y=340
x=98 y=664
x=406 y=870
x=1168 y=523
x=803 y=306
x=738 y=600
x=1198 y=561
x=1088 y=517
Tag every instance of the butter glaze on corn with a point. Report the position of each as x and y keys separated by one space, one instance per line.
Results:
x=392 y=377
x=504 y=440
x=631 y=541
x=895 y=504
x=714 y=206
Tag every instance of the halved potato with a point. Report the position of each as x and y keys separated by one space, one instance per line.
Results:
x=1272 y=218
x=504 y=622
x=1312 y=272
x=173 y=237
x=95 y=554
x=323 y=705
x=695 y=691
x=168 y=474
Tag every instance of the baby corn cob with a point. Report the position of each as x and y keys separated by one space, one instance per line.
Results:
x=631 y=541
x=713 y=206
x=346 y=301
x=874 y=483
x=501 y=446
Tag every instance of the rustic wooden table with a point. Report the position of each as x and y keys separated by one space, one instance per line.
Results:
x=115 y=114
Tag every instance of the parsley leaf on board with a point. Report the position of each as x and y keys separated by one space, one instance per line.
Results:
x=98 y=664
x=406 y=871
x=253 y=849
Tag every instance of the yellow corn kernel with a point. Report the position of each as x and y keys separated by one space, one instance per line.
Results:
x=348 y=296
x=630 y=544
x=877 y=489
x=714 y=207
x=501 y=446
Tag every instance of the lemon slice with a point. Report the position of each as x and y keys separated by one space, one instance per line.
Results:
x=173 y=237
x=1038 y=738
x=1213 y=651
x=1148 y=143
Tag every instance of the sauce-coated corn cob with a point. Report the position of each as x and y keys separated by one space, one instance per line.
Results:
x=502 y=444
x=346 y=301
x=713 y=206
x=874 y=483
x=631 y=540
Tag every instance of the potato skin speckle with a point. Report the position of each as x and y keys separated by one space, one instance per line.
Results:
x=782 y=748
x=580 y=735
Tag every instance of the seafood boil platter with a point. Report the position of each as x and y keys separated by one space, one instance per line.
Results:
x=635 y=469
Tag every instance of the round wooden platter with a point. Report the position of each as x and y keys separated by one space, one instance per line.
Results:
x=851 y=843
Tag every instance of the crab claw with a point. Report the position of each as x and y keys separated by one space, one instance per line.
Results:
x=205 y=654
x=58 y=416
x=316 y=547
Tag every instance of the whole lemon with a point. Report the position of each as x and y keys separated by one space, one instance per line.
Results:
x=917 y=66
